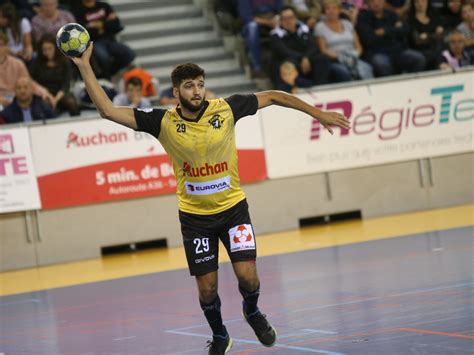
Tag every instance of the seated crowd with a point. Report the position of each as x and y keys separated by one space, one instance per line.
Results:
x=31 y=64
x=308 y=43
x=313 y=42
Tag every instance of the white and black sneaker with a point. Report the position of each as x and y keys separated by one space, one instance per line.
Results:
x=219 y=345
x=264 y=331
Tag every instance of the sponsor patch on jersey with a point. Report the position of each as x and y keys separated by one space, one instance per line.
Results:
x=205 y=170
x=146 y=110
x=208 y=187
x=241 y=238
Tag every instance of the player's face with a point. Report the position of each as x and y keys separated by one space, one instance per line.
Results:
x=191 y=94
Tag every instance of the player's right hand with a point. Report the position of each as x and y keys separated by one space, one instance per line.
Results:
x=85 y=57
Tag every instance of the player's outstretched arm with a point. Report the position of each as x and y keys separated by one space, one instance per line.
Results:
x=122 y=115
x=281 y=98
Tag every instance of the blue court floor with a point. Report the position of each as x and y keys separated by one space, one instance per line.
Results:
x=410 y=295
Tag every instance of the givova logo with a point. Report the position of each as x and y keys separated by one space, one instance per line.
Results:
x=390 y=123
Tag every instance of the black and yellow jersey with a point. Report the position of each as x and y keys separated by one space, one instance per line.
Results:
x=202 y=151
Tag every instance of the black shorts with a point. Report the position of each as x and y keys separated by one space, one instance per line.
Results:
x=201 y=234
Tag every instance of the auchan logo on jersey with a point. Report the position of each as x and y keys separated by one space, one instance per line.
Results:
x=206 y=170
x=99 y=138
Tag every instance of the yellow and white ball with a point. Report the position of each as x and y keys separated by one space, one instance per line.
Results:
x=72 y=39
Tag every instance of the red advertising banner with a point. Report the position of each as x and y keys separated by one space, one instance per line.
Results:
x=125 y=179
x=96 y=161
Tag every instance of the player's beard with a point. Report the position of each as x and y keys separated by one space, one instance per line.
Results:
x=188 y=105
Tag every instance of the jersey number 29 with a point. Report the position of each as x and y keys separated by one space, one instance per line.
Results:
x=180 y=128
x=202 y=245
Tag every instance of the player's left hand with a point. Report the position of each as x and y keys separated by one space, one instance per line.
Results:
x=330 y=118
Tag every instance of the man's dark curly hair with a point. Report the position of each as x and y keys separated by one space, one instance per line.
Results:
x=186 y=71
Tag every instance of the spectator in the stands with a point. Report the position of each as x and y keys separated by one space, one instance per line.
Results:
x=384 y=38
x=49 y=19
x=26 y=107
x=18 y=30
x=133 y=95
x=338 y=40
x=67 y=4
x=293 y=41
x=308 y=11
x=149 y=83
x=226 y=12
x=290 y=80
x=54 y=71
x=103 y=24
x=450 y=14
x=400 y=7
x=11 y=69
x=467 y=27
x=259 y=17
x=426 y=31
x=24 y=7
x=455 y=56
x=350 y=9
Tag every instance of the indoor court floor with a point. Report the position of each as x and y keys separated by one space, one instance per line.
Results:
x=401 y=284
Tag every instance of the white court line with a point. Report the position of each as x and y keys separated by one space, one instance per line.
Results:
x=125 y=338
x=206 y=325
x=345 y=303
x=320 y=331
x=178 y=331
x=382 y=297
x=440 y=320
x=308 y=331
x=254 y=342
x=30 y=300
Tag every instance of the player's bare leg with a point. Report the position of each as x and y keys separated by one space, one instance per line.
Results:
x=249 y=287
x=211 y=306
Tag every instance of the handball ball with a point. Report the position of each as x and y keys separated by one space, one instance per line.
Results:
x=72 y=39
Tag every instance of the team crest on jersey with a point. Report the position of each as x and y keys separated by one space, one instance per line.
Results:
x=216 y=121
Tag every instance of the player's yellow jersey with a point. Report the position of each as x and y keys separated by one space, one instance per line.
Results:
x=202 y=151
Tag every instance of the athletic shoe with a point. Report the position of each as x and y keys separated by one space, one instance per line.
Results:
x=219 y=345
x=264 y=331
